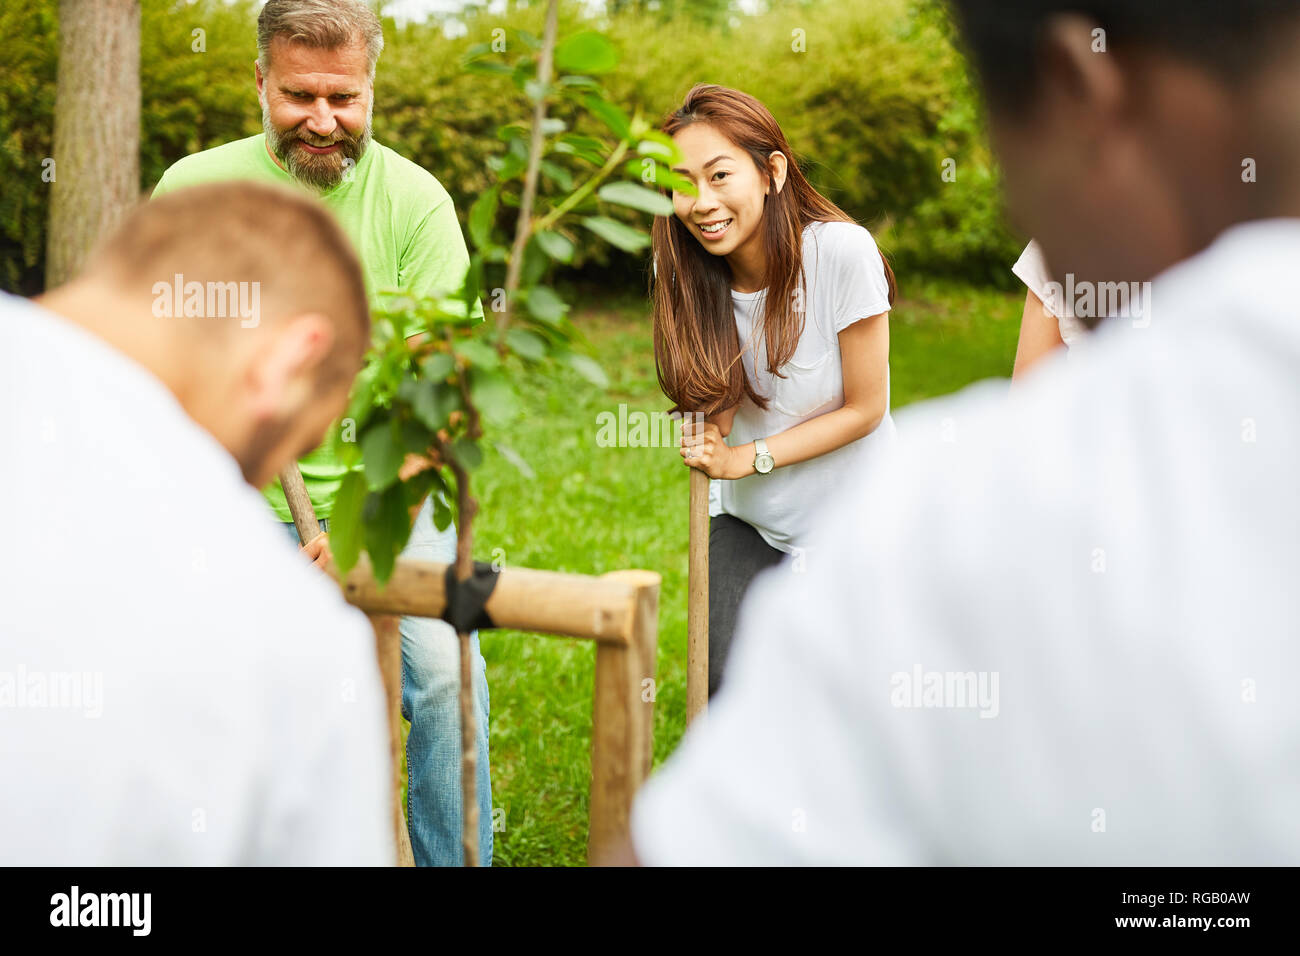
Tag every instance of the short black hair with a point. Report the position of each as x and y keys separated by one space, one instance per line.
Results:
x=1227 y=37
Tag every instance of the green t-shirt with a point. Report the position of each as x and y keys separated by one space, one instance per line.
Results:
x=401 y=222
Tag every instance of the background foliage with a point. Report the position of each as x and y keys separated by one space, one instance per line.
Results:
x=873 y=104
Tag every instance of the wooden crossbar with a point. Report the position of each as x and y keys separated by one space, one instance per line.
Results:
x=619 y=611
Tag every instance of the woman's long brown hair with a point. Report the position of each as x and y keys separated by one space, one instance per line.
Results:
x=697 y=348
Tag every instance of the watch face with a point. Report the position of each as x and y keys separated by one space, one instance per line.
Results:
x=763 y=464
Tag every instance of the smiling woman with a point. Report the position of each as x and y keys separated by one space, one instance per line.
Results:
x=770 y=316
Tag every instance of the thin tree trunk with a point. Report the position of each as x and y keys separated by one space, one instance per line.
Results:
x=96 y=129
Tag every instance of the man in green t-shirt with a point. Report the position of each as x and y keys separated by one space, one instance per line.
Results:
x=315 y=80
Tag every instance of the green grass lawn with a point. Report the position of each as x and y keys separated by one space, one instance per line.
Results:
x=591 y=509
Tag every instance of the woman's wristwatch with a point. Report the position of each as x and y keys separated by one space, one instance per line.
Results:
x=763 y=460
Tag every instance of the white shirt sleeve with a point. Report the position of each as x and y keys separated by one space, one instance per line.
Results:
x=1031 y=269
x=861 y=288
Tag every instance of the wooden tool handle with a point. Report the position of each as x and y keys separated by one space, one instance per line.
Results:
x=697 y=603
x=295 y=493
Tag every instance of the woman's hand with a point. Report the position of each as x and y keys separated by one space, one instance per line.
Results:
x=703 y=448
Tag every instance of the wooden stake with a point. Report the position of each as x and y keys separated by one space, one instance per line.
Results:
x=622 y=726
x=697 y=601
x=388 y=645
x=468 y=756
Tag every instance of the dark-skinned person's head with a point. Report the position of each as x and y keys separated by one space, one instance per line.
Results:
x=247 y=301
x=1131 y=132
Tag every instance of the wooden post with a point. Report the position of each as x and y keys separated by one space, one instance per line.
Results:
x=388 y=647
x=697 y=601
x=622 y=729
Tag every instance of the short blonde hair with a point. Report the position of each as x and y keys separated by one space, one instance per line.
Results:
x=283 y=240
x=320 y=24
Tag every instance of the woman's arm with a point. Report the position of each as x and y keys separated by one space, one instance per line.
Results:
x=864 y=360
x=1040 y=333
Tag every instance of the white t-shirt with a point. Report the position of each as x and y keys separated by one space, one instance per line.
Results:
x=1031 y=269
x=1117 y=542
x=177 y=684
x=845 y=281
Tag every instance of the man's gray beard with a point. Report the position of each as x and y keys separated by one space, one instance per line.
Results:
x=320 y=173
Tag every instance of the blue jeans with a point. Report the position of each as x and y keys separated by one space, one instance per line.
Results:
x=431 y=702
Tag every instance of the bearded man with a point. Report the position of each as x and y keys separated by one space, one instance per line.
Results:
x=315 y=74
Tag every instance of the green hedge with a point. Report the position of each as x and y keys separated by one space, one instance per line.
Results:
x=873 y=98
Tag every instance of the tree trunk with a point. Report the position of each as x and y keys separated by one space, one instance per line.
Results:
x=96 y=129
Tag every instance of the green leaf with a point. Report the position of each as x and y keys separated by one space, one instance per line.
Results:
x=362 y=401
x=638 y=197
x=557 y=174
x=588 y=368
x=659 y=176
x=482 y=216
x=535 y=264
x=477 y=353
x=416 y=436
x=509 y=166
x=441 y=513
x=545 y=305
x=556 y=246
x=584 y=147
x=381 y=454
x=611 y=116
x=438 y=366
x=586 y=52
x=388 y=525
x=467 y=453
x=650 y=147
x=582 y=81
x=617 y=233
x=553 y=125
x=345 y=521
x=432 y=402
x=419 y=486
x=526 y=344
x=494 y=396
x=488 y=67
x=469 y=290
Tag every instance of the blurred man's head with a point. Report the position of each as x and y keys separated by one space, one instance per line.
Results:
x=1132 y=132
x=315 y=80
x=247 y=301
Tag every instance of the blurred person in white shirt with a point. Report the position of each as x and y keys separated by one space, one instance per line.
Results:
x=208 y=702
x=1059 y=629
